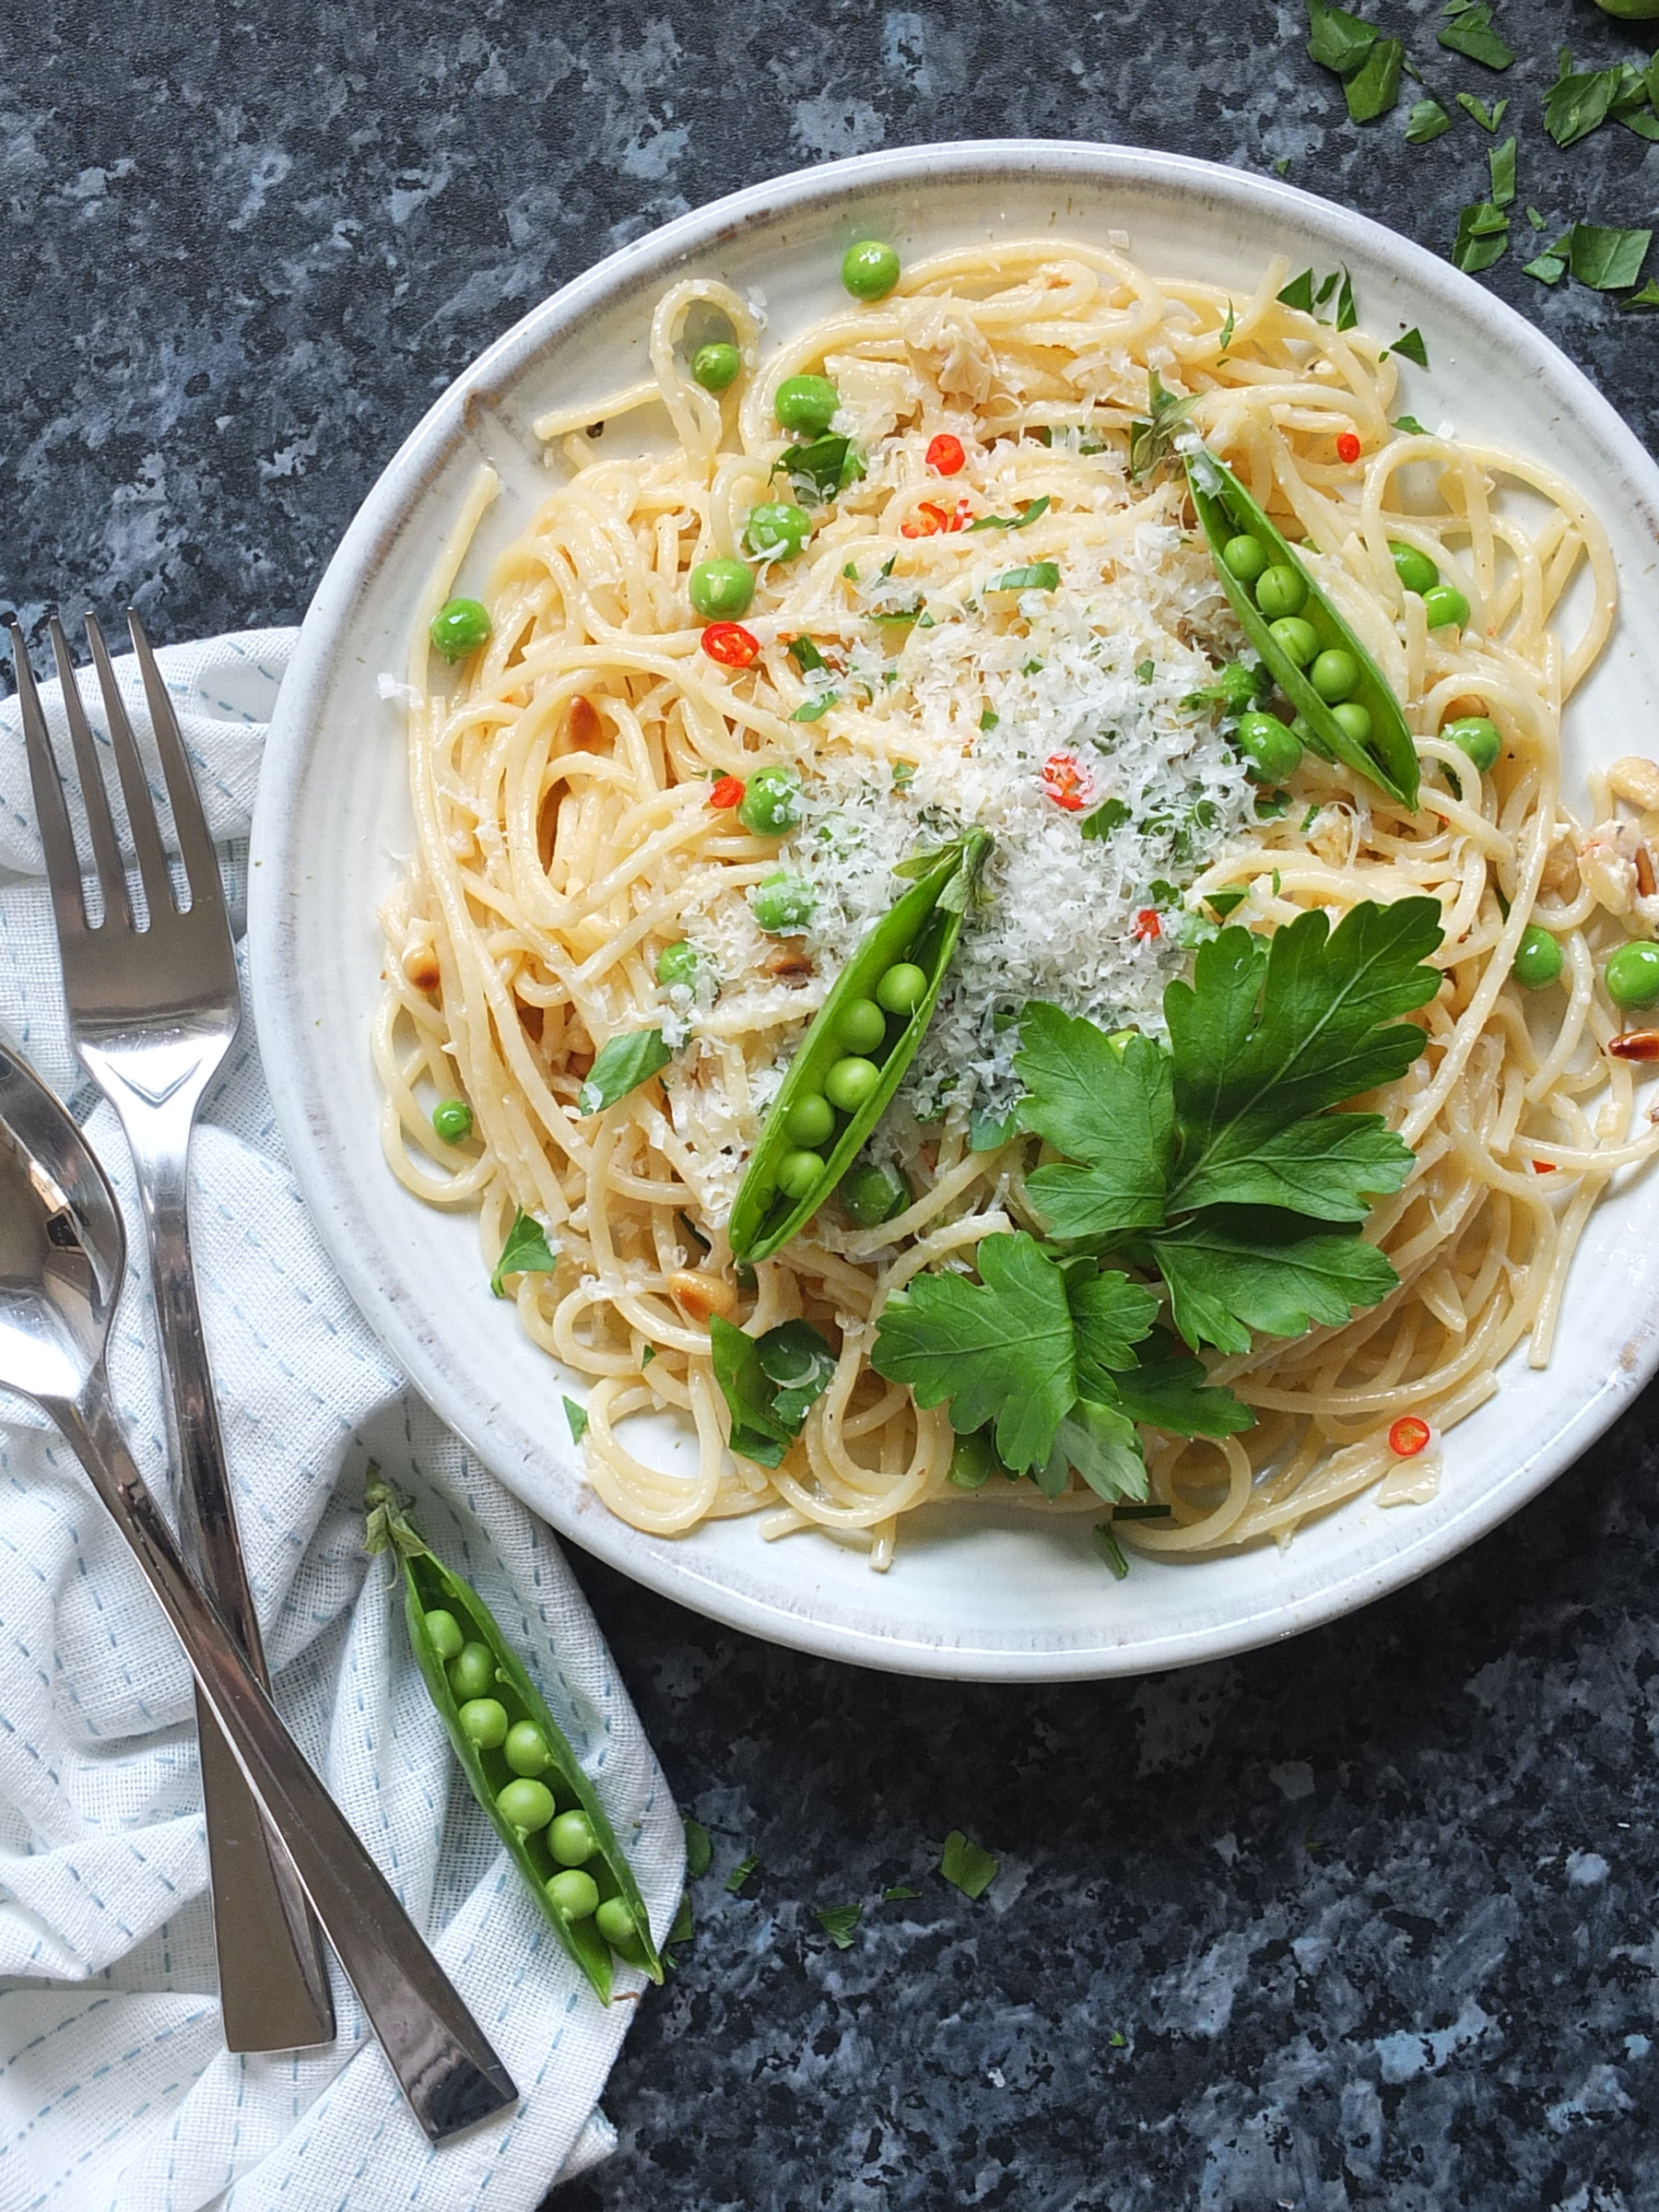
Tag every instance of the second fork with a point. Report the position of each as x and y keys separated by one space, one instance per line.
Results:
x=152 y=1012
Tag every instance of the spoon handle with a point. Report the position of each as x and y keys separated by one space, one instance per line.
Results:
x=449 y=2072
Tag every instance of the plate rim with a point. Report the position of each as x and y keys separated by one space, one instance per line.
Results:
x=463 y=1401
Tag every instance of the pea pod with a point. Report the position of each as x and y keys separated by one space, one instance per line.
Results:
x=788 y=1178
x=430 y=1589
x=1226 y=511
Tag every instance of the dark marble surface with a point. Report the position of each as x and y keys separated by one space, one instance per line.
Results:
x=1369 y=1919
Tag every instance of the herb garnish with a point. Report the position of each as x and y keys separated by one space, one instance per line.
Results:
x=1014 y=522
x=1368 y=63
x=1482 y=237
x=1410 y=345
x=526 y=1252
x=1488 y=118
x=1470 y=32
x=769 y=1383
x=1152 y=440
x=1427 y=122
x=623 y=1065
x=741 y=1872
x=838 y=1923
x=1038 y=576
x=700 y=1849
x=966 y=1866
x=578 y=1418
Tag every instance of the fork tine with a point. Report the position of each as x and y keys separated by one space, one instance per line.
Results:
x=201 y=862
x=135 y=784
x=106 y=851
x=57 y=839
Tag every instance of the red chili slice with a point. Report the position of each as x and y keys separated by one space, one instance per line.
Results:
x=1147 y=926
x=944 y=454
x=1065 y=782
x=729 y=644
x=1409 y=1436
x=728 y=791
x=1348 y=448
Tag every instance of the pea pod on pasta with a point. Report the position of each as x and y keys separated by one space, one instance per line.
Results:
x=855 y=1052
x=1343 y=702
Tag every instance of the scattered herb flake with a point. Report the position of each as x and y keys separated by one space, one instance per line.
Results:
x=698 y=1848
x=988 y=719
x=1500 y=160
x=681 y=1930
x=1410 y=343
x=577 y=1417
x=838 y=1923
x=1482 y=237
x=1471 y=32
x=805 y=654
x=1410 y=425
x=741 y=1872
x=623 y=1065
x=768 y=1383
x=1109 y=815
x=1550 y=266
x=1109 y=1549
x=1145 y=671
x=1605 y=259
x=1647 y=297
x=815 y=710
x=1223 y=902
x=1227 y=328
x=1037 y=576
x=1427 y=122
x=1488 y=118
x=1299 y=292
x=1337 y=39
x=1036 y=509
x=1535 y=219
x=1374 y=90
x=966 y=1866
x=526 y=1252
x=898 y=1894
x=1347 y=314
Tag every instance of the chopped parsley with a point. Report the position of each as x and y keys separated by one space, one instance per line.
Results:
x=1109 y=815
x=900 y=1893
x=1410 y=343
x=815 y=710
x=1427 y=122
x=741 y=1872
x=1109 y=1549
x=1501 y=161
x=769 y=1383
x=623 y=1065
x=1482 y=237
x=838 y=1921
x=1145 y=671
x=1014 y=522
x=1471 y=32
x=966 y=1866
x=1410 y=425
x=1356 y=51
x=526 y=1252
x=577 y=1418
x=698 y=1848
x=1488 y=118
x=988 y=719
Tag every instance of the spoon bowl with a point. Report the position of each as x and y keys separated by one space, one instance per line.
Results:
x=62 y=1255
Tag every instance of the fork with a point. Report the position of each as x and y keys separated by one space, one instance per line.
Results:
x=152 y=1012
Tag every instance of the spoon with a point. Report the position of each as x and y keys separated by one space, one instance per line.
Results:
x=62 y=1251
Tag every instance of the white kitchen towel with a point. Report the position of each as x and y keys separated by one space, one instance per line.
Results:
x=116 y=2092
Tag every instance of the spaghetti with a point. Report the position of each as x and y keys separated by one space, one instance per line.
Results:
x=566 y=840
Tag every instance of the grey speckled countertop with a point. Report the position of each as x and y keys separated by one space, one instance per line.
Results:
x=1371 y=1918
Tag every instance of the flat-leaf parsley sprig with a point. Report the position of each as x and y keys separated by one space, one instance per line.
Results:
x=1217 y=1165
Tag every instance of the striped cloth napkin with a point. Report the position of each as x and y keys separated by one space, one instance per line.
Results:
x=115 y=2089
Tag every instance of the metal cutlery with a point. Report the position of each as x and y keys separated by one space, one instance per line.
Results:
x=152 y=1011
x=62 y=1251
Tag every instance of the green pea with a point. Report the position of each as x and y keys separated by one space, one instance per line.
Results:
x=571 y=1840
x=1334 y=674
x=776 y=527
x=680 y=963
x=862 y=1026
x=573 y=1893
x=1416 y=572
x=1272 y=751
x=452 y=1120
x=799 y=1173
x=871 y=1195
x=770 y=802
x=1246 y=558
x=903 y=988
x=869 y=269
x=973 y=1457
x=525 y=1749
x=1538 y=959
x=1296 y=639
x=615 y=1921
x=443 y=1633
x=472 y=1672
x=783 y=903
x=1474 y=735
x=1444 y=606
x=1631 y=974
x=483 y=1720
x=1353 y=720
x=852 y=1083
x=715 y=366
x=810 y=1122
x=460 y=627
x=1281 y=590
x=720 y=590
x=806 y=403
x=525 y=1804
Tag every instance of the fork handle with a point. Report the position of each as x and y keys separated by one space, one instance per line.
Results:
x=449 y=2071
x=273 y=1993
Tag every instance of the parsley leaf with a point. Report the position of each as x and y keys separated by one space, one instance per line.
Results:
x=815 y=710
x=804 y=653
x=1500 y=160
x=741 y=1872
x=1374 y=89
x=1471 y=32
x=1427 y=122
x=1100 y=1443
x=1000 y=1349
x=819 y=469
x=1647 y=297
x=1605 y=259
x=1299 y=292
x=898 y=1894
x=966 y=1866
x=1113 y=1112
x=1337 y=39
x=769 y=1383
x=1482 y=237
x=1151 y=440
x=1109 y=1549
x=838 y=1923
x=1040 y=576
x=698 y=1849
x=1581 y=101
x=578 y=1418
x=1550 y=266
x=526 y=1252
x=1410 y=425
x=623 y=1065
x=1410 y=343
x=1169 y=1389
x=1014 y=522
x=1109 y=815
x=1232 y=1270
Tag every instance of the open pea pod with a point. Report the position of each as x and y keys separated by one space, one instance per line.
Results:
x=1225 y=510
x=430 y=1587
x=920 y=931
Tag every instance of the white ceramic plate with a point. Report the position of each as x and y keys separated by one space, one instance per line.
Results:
x=984 y=1593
